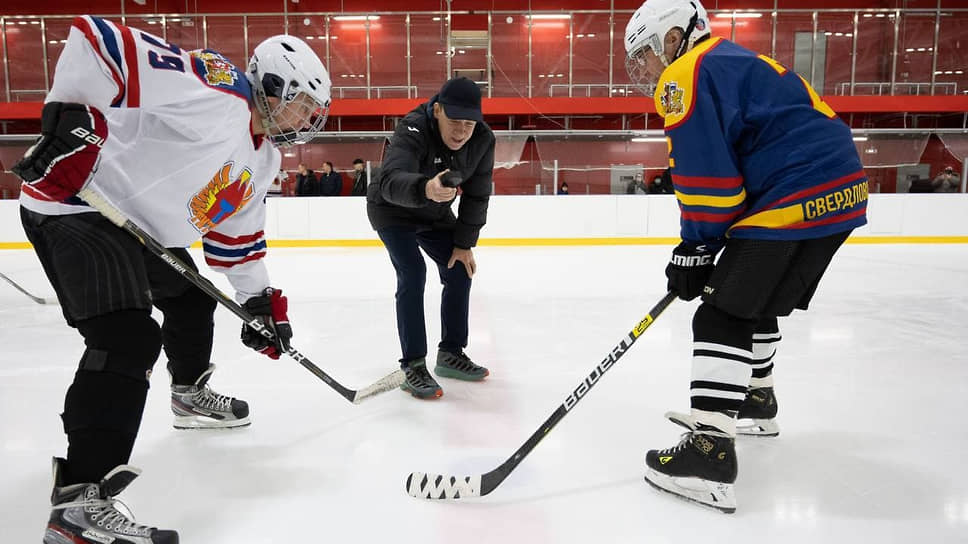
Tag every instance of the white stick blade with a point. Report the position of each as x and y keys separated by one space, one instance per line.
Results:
x=437 y=486
x=383 y=385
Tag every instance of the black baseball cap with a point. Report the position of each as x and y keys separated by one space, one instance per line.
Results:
x=461 y=99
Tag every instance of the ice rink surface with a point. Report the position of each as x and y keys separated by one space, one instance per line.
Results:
x=872 y=385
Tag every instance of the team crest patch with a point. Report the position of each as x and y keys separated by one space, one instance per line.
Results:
x=221 y=198
x=214 y=68
x=672 y=99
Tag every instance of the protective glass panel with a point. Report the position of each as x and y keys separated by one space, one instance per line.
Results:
x=891 y=150
x=509 y=53
x=24 y=48
x=549 y=59
x=388 y=57
x=915 y=50
x=589 y=57
x=225 y=35
x=507 y=150
x=597 y=166
x=185 y=32
x=834 y=65
x=428 y=50
x=262 y=28
x=875 y=45
x=347 y=57
x=755 y=33
x=951 y=74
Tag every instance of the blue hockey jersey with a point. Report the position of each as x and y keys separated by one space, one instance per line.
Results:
x=754 y=151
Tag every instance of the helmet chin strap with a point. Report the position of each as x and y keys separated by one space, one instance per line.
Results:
x=684 y=44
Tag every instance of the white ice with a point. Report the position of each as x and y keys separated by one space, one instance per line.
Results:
x=872 y=384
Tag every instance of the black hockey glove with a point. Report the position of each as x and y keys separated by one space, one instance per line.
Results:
x=270 y=309
x=689 y=269
x=63 y=159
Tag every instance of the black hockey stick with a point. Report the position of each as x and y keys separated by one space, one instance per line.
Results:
x=38 y=300
x=438 y=486
x=391 y=381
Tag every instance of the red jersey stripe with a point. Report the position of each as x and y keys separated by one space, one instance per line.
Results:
x=131 y=62
x=81 y=24
x=230 y=264
x=234 y=240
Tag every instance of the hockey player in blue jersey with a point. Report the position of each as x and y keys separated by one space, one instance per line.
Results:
x=768 y=179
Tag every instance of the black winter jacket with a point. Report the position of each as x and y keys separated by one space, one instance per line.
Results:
x=415 y=154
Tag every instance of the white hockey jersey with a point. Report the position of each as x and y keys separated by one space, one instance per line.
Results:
x=180 y=159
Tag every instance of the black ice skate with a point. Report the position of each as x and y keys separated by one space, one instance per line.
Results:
x=198 y=406
x=419 y=382
x=85 y=513
x=701 y=468
x=757 y=414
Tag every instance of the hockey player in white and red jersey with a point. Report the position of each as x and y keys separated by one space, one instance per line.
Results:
x=184 y=143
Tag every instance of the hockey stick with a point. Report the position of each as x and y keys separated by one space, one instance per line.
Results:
x=391 y=381
x=38 y=300
x=439 y=486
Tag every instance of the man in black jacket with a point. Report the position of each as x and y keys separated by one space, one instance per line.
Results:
x=306 y=184
x=439 y=146
x=330 y=181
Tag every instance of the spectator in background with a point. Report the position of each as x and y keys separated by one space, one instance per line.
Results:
x=563 y=189
x=636 y=185
x=330 y=181
x=662 y=184
x=306 y=184
x=275 y=188
x=947 y=181
x=360 y=179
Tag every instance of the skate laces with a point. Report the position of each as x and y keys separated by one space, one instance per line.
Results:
x=208 y=398
x=103 y=512
x=702 y=438
x=684 y=439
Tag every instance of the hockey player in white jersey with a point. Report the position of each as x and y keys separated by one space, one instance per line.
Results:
x=184 y=143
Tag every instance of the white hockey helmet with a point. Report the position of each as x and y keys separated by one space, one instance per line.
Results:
x=286 y=68
x=646 y=30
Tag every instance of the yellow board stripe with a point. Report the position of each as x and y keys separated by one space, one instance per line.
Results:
x=627 y=241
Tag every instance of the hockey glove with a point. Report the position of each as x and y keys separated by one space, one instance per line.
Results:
x=270 y=310
x=63 y=159
x=689 y=269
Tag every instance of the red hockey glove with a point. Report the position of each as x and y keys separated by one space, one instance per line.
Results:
x=63 y=159
x=270 y=310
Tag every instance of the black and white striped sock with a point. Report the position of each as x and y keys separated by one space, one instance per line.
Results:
x=721 y=358
x=765 y=339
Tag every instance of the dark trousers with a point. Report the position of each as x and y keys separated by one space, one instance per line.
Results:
x=106 y=283
x=404 y=244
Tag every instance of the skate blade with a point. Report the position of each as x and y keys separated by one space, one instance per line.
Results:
x=200 y=422
x=58 y=535
x=715 y=495
x=764 y=428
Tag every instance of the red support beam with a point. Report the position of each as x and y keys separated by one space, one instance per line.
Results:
x=11 y=111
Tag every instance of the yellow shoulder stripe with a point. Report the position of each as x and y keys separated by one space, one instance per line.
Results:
x=674 y=96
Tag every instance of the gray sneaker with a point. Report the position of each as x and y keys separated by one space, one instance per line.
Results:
x=85 y=513
x=419 y=382
x=459 y=366
x=198 y=406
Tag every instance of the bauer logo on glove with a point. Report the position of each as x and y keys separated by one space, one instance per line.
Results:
x=67 y=153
